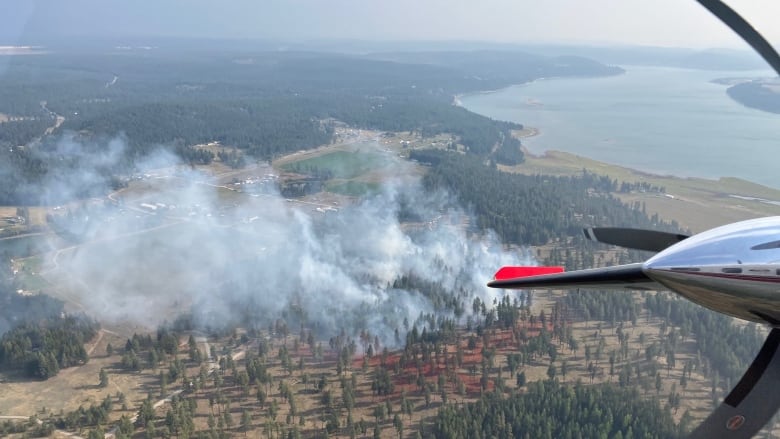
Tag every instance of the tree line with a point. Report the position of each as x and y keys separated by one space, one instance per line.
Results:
x=532 y=209
x=41 y=349
x=36 y=340
x=551 y=410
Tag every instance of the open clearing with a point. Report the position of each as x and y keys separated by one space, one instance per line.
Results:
x=358 y=167
x=76 y=386
x=340 y=164
x=37 y=215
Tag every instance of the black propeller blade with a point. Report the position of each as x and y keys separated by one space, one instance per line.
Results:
x=755 y=399
x=744 y=30
x=752 y=402
x=637 y=239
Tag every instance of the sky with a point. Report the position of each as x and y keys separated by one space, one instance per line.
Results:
x=669 y=23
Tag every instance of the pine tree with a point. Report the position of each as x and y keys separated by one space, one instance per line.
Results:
x=103 y=376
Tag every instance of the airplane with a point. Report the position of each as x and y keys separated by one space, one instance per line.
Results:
x=732 y=269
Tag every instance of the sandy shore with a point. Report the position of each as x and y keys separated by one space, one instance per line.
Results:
x=21 y=50
x=526 y=133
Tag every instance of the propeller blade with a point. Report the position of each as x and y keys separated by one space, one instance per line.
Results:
x=637 y=239
x=752 y=402
x=744 y=30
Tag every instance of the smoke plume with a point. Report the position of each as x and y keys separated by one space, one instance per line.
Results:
x=176 y=241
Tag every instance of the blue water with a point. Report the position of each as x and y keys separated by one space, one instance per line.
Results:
x=654 y=119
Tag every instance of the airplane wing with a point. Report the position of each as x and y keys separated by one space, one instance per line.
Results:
x=629 y=277
x=638 y=239
x=749 y=405
x=752 y=402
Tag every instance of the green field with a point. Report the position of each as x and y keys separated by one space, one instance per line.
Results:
x=352 y=188
x=29 y=277
x=24 y=246
x=340 y=164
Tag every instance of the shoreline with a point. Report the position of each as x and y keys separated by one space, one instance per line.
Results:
x=457 y=102
x=695 y=203
x=555 y=156
x=526 y=133
x=21 y=50
x=604 y=132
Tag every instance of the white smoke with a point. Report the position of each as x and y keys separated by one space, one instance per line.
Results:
x=232 y=258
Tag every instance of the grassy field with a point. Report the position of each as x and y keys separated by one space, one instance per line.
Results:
x=352 y=188
x=355 y=169
x=340 y=164
x=29 y=277
x=24 y=246
x=37 y=215
x=77 y=386
x=695 y=203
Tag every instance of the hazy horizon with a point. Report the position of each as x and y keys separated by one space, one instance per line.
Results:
x=665 y=23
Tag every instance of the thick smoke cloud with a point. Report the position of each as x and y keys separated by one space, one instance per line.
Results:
x=236 y=258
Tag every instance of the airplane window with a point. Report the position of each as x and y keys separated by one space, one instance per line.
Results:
x=766 y=246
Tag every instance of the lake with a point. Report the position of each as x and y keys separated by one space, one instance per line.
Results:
x=655 y=119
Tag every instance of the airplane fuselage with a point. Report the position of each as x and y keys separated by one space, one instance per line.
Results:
x=733 y=269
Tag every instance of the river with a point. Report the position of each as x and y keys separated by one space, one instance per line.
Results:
x=654 y=119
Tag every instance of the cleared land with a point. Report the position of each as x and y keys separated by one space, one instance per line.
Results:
x=76 y=386
x=37 y=215
x=354 y=168
x=340 y=164
x=695 y=203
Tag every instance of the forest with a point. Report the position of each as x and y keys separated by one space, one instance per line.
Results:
x=36 y=338
x=264 y=103
x=21 y=132
x=755 y=94
x=551 y=410
x=536 y=209
x=40 y=349
x=16 y=309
